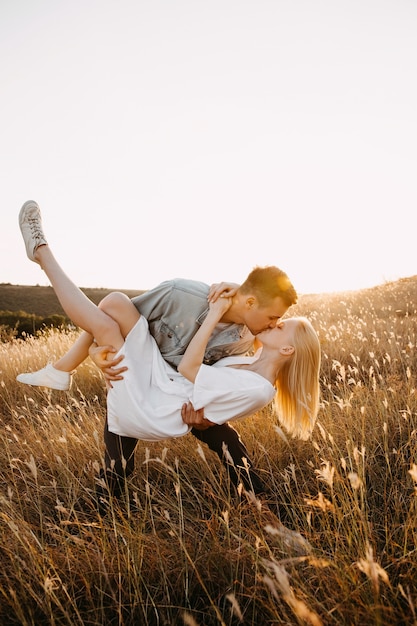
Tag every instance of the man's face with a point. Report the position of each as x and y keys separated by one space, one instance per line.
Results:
x=259 y=318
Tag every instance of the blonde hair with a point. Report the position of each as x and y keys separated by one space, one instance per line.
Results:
x=298 y=389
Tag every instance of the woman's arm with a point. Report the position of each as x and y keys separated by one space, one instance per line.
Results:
x=194 y=354
x=222 y=290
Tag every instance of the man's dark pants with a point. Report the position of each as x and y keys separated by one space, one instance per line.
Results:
x=120 y=457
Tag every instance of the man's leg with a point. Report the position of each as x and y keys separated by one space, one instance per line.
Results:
x=224 y=436
x=119 y=459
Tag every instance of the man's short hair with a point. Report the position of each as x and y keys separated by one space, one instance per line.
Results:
x=268 y=283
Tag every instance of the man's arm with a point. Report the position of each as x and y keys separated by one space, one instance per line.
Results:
x=194 y=418
x=151 y=304
x=99 y=356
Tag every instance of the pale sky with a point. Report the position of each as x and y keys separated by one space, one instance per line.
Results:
x=199 y=138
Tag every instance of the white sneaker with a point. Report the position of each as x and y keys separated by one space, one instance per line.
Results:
x=30 y=222
x=47 y=377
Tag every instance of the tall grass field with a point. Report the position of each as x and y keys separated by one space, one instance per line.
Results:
x=185 y=548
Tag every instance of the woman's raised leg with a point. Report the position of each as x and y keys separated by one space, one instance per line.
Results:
x=82 y=311
x=117 y=306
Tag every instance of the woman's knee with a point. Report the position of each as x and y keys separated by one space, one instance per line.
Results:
x=113 y=302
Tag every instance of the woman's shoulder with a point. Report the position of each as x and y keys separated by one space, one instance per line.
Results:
x=237 y=361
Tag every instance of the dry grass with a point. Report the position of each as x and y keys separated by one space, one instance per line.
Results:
x=194 y=553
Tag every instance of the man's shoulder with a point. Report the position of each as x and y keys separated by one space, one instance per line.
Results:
x=174 y=290
x=180 y=286
x=193 y=287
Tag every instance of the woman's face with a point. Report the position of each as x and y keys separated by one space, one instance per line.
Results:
x=280 y=336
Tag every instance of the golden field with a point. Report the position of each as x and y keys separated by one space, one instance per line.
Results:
x=193 y=552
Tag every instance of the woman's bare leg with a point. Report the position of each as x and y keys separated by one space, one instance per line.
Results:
x=78 y=352
x=82 y=311
x=58 y=375
x=108 y=324
x=121 y=309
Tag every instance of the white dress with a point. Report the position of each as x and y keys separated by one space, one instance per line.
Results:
x=147 y=403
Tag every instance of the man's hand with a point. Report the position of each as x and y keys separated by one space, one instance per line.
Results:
x=193 y=418
x=222 y=290
x=100 y=357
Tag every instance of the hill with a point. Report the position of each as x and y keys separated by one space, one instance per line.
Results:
x=398 y=297
x=388 y=297
x=42 y=300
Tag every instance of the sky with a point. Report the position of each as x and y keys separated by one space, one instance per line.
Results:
x=198 y=139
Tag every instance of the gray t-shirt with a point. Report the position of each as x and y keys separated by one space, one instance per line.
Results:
x=175 y=310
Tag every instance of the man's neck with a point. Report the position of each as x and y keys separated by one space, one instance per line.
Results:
x=233 y=315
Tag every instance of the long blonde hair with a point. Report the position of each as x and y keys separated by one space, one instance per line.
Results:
x=298 y=389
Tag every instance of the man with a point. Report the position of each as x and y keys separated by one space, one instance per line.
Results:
x=174 y=311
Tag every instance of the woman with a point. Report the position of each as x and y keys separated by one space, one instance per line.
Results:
x=146 y=404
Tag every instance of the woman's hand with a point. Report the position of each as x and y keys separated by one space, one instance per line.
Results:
x=100 y=357
x=220 y=306
x=222 y=290
x=193 y=357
